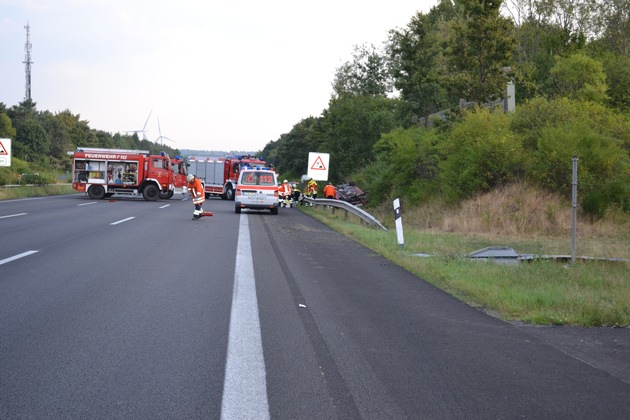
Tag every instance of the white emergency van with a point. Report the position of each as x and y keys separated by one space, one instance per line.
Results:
x=256 y=189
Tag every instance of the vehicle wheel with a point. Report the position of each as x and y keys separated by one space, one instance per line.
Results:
x=229 y=194
x=151 y=193
x=237 y=209
x=274 y=210
x=96 y=192
x=167 y=195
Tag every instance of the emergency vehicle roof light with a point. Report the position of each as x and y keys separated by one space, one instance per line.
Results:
x=162 y=153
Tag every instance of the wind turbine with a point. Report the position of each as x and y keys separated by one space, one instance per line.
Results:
x=143 y=131
x=161 y=137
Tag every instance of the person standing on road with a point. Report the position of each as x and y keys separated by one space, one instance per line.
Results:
x=198 y=195
x=284 y=191
x=330 y=191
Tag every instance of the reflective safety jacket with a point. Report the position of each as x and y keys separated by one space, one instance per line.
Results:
x=311 y=188
x=330 y=191
x=284 y=189
x=196 y=190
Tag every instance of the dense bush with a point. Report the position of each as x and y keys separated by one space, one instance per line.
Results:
x=485 y=149
x=479 y=154
x=406 y=164
x=11 y=175
x=37 y=178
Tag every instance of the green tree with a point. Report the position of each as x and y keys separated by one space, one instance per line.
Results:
x=617 y=69
x=366 y=74
x=352 y=124
x=32 y=142
x=482 y=47
x=289 y=154
x=6 y=127
x=614 y=24
x=418 y=63
x=579 y=77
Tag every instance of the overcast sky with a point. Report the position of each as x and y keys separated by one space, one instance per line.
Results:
x=217 y=75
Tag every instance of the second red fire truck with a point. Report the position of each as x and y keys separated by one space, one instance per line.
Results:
x=220 y=174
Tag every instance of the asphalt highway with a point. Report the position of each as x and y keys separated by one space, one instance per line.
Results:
x=127 y=309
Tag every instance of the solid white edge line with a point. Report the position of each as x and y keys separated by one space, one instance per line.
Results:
x=245 y=385
x=122 y=221
x=16 y=257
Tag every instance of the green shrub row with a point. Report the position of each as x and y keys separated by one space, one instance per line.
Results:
x=487 y=149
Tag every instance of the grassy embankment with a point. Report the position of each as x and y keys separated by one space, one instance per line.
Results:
x=544 y=291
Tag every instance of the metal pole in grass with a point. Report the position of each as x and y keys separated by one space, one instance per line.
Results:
x=398 y=220
x=574 y=208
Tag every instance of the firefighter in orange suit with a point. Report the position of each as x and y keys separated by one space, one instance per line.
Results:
x=330 y=191
x=198 y=196
x=285 y=192
x=311 y=190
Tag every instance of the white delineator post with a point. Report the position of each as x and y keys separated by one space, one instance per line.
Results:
x=398 y=220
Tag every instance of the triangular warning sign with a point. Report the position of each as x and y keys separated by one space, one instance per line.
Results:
x=318 y=164
x=3 y=151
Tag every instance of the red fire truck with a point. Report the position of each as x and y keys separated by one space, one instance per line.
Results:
x=178 y=166
x=105 y=172
x=220 y=174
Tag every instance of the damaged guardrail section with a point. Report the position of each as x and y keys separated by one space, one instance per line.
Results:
x=350 y=208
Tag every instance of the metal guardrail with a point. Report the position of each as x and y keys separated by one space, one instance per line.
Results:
x=350 y=208
x=34 y=185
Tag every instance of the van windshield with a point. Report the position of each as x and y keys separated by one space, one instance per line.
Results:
x=258 y=178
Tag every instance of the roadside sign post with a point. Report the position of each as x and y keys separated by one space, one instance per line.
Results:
x=398 y=220
x=5 y=152
x=574 y=208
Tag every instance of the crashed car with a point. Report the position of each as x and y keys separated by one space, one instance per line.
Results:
x=351 y=193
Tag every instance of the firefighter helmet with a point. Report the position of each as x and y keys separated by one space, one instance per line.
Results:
x=285 y=181
x=190 y=177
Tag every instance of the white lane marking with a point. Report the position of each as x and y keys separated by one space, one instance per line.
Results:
x=13 y=215
x=122 y=221
x=87 y=204
x=164 y=206
x=26 y=199
x=245 y=389
x=16 y=257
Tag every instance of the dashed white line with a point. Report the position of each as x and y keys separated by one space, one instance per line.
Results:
x=122 y=221
x=17 y=257
x=245 y=386
x=164 y=206
x=87 y=204
x=13 y=215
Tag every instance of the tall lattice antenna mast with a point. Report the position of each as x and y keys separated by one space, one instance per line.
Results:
x=28 y=62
